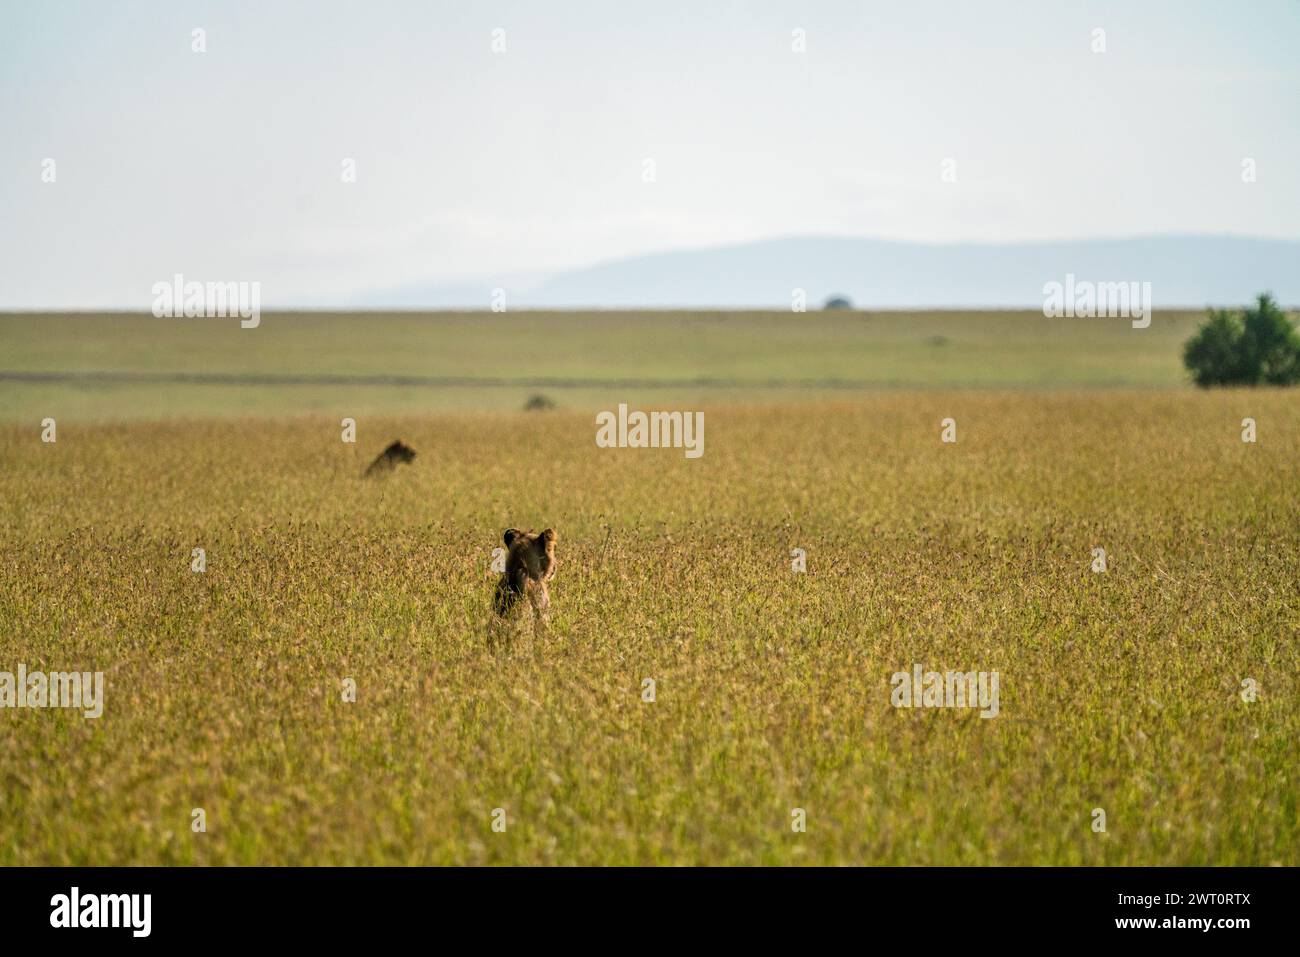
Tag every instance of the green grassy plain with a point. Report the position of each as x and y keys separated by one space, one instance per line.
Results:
x=486 y=361
x=1119 y=691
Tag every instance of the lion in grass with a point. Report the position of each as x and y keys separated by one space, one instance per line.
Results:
x=397 y=453
x=530 y=564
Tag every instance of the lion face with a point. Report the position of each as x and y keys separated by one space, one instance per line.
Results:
x=533 y=554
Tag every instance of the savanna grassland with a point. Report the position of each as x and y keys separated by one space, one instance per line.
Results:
x=1119 y=690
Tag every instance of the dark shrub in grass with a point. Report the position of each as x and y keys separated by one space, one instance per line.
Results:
x=1257 y=347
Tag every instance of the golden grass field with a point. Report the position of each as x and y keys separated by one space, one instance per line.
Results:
x=1119 y=690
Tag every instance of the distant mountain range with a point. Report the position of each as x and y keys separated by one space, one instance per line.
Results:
x=1183 y=271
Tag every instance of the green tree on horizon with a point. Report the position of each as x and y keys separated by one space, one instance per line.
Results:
x=1259 y=346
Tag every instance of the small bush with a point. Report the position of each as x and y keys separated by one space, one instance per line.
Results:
x=1258 y=347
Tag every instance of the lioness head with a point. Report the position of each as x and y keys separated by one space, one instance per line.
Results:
x=534 y=554
x=401 y=452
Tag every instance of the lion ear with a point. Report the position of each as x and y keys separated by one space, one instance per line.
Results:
x=510 y=535
x=548 y=535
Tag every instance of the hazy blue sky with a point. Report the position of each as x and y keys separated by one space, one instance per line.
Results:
x=480 y=165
